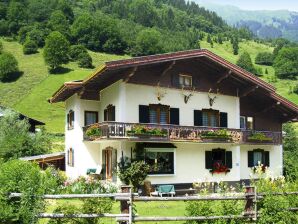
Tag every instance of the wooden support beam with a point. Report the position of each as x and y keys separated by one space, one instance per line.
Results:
x=130 y=74
x=168 y=68
x=268 y=108
x=226 y=75
x=248 y=91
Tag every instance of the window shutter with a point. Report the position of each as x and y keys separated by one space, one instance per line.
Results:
x=229 y=159
x=72 y=159
x=174 y=116
x=250 y=158
x=105 y=112
x=198 y=120
x=223 y=119
x=113 y=114
x=143 y=114
x=68 y=120
x=208 y=160
x=266 y=158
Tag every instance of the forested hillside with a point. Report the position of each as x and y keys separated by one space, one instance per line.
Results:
x=53 y=41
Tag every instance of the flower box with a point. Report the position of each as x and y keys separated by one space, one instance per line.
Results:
x=219 y=168
x=142 y=131
x=259 y=138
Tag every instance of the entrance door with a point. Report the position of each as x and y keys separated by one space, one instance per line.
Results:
x=109 y=159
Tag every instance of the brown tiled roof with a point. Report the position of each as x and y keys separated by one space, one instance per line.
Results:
x=69 y=88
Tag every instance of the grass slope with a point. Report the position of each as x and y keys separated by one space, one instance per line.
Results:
x=30 y=92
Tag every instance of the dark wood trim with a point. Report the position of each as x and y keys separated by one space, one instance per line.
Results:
x=130 y=74
x=248 y=91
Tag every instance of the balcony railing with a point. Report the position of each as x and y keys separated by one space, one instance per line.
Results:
x=164 y=132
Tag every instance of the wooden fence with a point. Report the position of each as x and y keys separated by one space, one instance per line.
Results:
x=127 y=198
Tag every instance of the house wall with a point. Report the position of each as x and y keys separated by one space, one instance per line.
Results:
x=275 y=157
x=136 y=95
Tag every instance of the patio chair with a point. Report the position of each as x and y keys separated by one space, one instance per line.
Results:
x=166 y=190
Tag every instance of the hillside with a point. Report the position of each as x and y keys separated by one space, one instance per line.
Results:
x=30 y=92
x=263 y=23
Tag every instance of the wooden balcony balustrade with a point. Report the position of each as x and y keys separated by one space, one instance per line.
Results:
x=176 y=133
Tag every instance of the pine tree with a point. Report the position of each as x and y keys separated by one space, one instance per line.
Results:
x=245 y=62
x=235 y=44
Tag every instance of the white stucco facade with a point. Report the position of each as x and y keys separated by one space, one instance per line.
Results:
x=189 y=157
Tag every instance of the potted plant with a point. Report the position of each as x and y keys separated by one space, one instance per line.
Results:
x=219 y=168
x=145 y=131
x=259 y=137
x=217 y=135
x=93 y=132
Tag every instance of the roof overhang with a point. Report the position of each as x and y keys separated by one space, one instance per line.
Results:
x=110 y=73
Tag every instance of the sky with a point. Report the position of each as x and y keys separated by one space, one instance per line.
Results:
x=291 y=5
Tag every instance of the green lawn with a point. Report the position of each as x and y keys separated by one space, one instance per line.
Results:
x=30 y=92
x=142 y=209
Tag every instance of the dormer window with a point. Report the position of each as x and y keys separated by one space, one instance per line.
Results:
x=70 y=120
x=185 y=80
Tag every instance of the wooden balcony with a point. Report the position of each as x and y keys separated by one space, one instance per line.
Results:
x=177 y=133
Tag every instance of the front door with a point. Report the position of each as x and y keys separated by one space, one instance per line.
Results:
x=109 y=159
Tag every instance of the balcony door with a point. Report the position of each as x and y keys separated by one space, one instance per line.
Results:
x=159 y=114
x=109 y=164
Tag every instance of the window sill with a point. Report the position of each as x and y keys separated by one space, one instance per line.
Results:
x=70 y=128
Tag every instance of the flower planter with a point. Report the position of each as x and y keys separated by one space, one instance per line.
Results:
x=216 y=138
x=259 y=140
x=145 y=135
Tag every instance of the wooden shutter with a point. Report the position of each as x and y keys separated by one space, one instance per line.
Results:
x=223 y=120
x=229 y=159
x=112 y=114
x=72 y=159
x=105 y=114
x=198 y=118
x=174 y=116
x=266 y=156
x=144 y=114
x=68 y=120
x=208 y=160
x=250 y=157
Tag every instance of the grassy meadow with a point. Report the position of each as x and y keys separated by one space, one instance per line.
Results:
x=28 y=94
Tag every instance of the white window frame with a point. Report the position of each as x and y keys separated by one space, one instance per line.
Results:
x=163 y=150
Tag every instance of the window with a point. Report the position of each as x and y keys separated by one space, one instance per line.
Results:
x=210 y=118
x=258 y=157
x=70 y=120
x=185 y=80
x=91 y=117
x=250 y=123
x=70 y=157
x=242 y=122
x=159 y=114
x=218 y=156
x=109 y=113
x=161 y=161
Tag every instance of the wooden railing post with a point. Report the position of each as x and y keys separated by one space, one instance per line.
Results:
x=251 y=202
x=125 y=205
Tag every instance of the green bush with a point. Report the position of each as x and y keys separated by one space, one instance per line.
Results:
x=245 y=62
x=1 y=47
x=286 y=63
x=295 y=89
x=21 y=177
x=264 y=58
x=75 y=50
x=85 y=60
x=30 y=47
x=8 y=66
x=134 y=173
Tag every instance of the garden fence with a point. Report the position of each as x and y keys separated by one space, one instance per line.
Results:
x=127 y=199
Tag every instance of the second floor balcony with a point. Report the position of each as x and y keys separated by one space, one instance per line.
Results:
x=177 y=133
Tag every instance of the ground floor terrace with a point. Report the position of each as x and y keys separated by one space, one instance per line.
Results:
x=175 y=162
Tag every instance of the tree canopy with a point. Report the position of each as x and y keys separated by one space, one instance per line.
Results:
x=8 y=66
x=286 y=63
x=245 y=62
x=264 y=58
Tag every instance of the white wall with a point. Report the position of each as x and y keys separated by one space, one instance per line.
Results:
x=275 y=158
x=143 y=95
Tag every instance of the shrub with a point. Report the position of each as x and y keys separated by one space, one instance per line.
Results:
x=1 y=47
x=75 y=50
x=84 y=60
x=56 y=50
x=30 y=47
x=295 y=89
x=26 y=178
x=8 y=65
x=245 y=62
x=264 y=58
x=134 y=173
